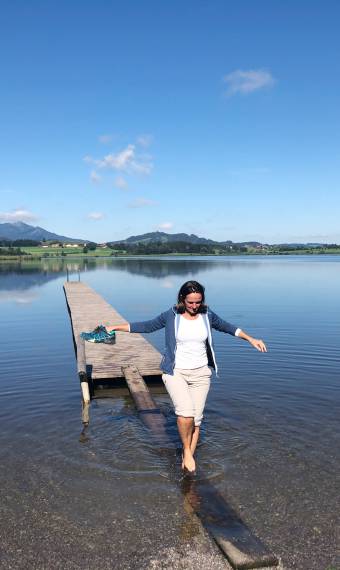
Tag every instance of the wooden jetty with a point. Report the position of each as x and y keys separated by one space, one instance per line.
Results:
x=131 y=358
x=98 y=361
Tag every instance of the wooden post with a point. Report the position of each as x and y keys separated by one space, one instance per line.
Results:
x=85 y=416
x=85 y=413
x=81 y=364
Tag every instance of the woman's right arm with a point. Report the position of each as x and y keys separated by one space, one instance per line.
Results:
x=142 y=326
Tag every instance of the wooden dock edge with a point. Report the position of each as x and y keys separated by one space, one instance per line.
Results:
x=240 y=546
x=79 y=346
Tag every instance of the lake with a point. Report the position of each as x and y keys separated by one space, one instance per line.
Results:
x=270 y=439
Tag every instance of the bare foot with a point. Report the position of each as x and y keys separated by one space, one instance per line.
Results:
x=188 y=461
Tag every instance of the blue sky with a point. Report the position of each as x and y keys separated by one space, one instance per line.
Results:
x=218 y=118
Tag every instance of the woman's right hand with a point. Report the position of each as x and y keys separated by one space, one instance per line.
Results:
x=124 y=327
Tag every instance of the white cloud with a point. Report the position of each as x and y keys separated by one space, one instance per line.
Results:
x=145 y=140
x=18 y=296
x=167 y=284
x=121 y=183
x=105 y=139
x=141 y=203
x=165 y=226
x=244 y=82
x=141 y=168
x=94 y=176
x=19 y=215
x=123 y=161
x=95 y=216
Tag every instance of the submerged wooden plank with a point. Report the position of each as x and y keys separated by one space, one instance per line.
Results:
x=240 y=546
x=149 y=412
x=88 y=309
x=139 y=390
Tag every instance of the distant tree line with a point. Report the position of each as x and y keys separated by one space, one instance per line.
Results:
x=13 y=248
x=305 y=247
x=91 y=246
x=175 y=247
x=19 y=243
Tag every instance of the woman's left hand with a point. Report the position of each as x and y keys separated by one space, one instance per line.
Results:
x=258 y=344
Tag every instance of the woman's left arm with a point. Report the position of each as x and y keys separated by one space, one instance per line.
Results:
x=255 y=342
x=223 y=326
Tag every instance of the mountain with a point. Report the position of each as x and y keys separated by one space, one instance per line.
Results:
x=162 y=237
x=19 y=230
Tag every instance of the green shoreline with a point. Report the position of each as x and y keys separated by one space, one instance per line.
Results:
x=70 y=256
x=28 y=252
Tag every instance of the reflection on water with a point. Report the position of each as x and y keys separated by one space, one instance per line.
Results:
x=18 y=296
x=271 y=431
x=27 y=274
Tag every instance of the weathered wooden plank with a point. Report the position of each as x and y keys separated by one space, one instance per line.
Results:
x=88 y=309
x=241 y=547
x=149 y=412
x=139 y=391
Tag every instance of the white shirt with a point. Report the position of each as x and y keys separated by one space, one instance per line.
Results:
x=191 y=339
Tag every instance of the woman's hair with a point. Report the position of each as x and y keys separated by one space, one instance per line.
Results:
x=187 y=288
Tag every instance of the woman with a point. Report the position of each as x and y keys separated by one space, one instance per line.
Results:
x=188 y=358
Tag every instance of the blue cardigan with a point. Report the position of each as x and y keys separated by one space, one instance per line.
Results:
x=170 y=321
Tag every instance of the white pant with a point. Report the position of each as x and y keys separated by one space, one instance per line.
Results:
x=188 y=390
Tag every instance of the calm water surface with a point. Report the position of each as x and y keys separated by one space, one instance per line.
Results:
x=270 y=440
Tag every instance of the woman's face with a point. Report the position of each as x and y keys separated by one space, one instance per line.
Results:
x=192 y=303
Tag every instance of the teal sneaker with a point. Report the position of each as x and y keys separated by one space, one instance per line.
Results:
x=99 y=334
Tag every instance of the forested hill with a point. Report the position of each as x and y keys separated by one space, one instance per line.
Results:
x=162 y=237
x=176 y=247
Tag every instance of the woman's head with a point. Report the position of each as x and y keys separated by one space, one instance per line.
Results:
x=191 y=298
